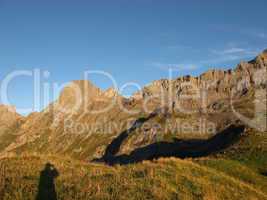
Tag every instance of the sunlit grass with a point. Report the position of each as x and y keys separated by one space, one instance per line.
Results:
x=163 y=179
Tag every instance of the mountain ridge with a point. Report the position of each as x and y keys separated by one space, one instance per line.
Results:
x=46 y=131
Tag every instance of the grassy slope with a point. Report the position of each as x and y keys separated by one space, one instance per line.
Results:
x=233 y=174
x=236 y=173
x=162 y=179
x=246 y=160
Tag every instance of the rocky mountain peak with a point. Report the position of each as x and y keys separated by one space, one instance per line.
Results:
x=111 y=92
x=6 y=108
x=8 y=116
x=79 y=90
x=264 y=54
x=216 y=83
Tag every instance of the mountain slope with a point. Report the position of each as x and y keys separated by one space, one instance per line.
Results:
x=224 y=159
x=74 y=126
x=10 y=122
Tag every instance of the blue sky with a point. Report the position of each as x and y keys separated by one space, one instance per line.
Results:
x=134 y=41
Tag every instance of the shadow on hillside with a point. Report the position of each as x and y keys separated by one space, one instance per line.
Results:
x=114 y=147
x=179 y=148
x=46 y=188
x=264 y=173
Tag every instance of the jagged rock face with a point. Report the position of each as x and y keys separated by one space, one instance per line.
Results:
x=77 y=117
x=78 y=93
x=111 y=93
x=10 y=123
x=213 y=85
x=83 y=95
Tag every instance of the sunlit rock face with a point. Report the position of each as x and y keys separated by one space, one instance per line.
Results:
x=64 y=127
x=210 y=86
x=8 y=118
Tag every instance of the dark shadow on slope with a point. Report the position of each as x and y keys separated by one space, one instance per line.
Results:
x=264 y=173
x=181 y=148
x=46 y=188
x=114 y=147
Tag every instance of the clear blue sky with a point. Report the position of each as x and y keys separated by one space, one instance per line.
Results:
x=132 y=40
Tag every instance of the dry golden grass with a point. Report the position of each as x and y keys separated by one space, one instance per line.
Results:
x=163 y=179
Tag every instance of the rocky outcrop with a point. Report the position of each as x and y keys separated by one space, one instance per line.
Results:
x=111 y=93
x=211 y=86
x=8 y=118
x=10 y=123
x=77 y=93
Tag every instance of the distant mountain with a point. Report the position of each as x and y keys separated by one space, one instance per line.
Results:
x=74 y=126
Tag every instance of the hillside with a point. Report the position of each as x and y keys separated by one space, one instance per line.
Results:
x=162 y=179
x=131 y=151
x=238 y=172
